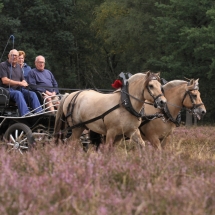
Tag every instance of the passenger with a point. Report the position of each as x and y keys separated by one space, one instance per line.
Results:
x=11 y=78
x=40 y=76
x=24 y=66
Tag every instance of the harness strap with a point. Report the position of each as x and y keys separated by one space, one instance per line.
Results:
x=125 y=98
x=169 y=116
x=96 y=118
x=73 y=104
x=148 y=118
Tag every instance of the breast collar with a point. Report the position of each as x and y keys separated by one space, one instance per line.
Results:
x=125 y=96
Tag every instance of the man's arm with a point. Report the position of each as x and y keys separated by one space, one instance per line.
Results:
x=54 y=83
x=33 y=83
x=8 y=81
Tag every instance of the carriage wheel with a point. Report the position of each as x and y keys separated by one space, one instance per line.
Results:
x=19 y=137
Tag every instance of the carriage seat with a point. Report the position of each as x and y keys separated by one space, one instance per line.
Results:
x=40 y=97
x=4 y=97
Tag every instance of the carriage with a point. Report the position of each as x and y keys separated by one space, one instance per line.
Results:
x=21 y=133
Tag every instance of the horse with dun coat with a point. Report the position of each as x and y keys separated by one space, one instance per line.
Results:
x=108 y=114
x=179 y=94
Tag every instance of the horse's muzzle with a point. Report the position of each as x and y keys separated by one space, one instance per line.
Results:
x=160 y=102
x=199 y=112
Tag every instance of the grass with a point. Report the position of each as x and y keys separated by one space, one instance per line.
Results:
x=65 y=180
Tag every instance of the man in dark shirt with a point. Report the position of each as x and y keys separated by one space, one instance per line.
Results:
x=42 y=80
x=11 y=78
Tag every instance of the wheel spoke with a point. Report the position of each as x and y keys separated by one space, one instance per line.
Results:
x=16 y=134
x=20 y=152
x=24 y=140
x=10 y=150
x=23 y=147
x=21 y=134
x=11 y=137
x=10 y=144
x=19 y=137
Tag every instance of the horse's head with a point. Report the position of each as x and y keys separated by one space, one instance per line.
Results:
x=154 y=90
x=192 y=99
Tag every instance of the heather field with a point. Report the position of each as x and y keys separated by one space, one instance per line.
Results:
x=63 y=180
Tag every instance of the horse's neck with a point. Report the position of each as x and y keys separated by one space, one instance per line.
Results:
x=174 y=98
x=136 y=96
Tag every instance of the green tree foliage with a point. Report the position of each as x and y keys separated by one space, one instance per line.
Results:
x=87 y=44
x=87 y=58
x=8 y=25
x=185 y=43
x=124 y=29
x=1 y=6
x=45 y=28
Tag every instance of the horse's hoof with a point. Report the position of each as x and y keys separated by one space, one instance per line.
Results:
x=85 y=146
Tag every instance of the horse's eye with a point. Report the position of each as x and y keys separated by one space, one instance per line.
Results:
x=150 y=86
x=194 y=96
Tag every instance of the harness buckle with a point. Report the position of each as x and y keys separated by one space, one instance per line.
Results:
x=163 y=119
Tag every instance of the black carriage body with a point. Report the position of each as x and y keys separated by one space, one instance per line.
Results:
x=43 y=121
x=9 y=115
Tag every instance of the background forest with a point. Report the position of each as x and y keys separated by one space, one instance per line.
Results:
x=87 y=43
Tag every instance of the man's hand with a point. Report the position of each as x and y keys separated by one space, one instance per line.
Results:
x=23 y=83
x=50 y=93
x=8 y=81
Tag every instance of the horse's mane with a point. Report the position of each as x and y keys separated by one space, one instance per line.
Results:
x=137 y=76
x=174 y=83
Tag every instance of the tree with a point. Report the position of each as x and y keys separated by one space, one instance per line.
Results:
x=43 y=28
x=185 y=40
x=124 y=30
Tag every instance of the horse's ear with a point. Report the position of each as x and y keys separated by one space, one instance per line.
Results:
x=148 y=73
x=157 y=74
x=197 y=81
x=193 y=84
x=196 y=84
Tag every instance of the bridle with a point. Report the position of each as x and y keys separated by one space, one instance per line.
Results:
x=195 y=106
x=155 y=97
x=126 y=102
x=190 y=110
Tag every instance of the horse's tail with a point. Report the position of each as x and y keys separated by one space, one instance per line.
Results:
x=59 y=119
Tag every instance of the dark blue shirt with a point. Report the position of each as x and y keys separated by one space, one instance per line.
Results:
x=14 y=73
x=44 y=78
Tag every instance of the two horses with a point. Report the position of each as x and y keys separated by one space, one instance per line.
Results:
x=179 y=94
x=117 y=113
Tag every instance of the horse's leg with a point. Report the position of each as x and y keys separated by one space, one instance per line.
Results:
x=110 y=137
x=74 y=139
x=166 y=141
x=154 y=140
x=95 y=138
x=136 y=137
x=85 y=140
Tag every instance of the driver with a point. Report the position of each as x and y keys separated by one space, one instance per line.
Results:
x=12 y=79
